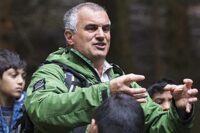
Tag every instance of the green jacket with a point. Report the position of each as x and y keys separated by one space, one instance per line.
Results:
x=52 y=108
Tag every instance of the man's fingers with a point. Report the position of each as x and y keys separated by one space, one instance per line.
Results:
x=188 y=108
x=122 y=82
x=137 y=93
x=142 y=100
x=178 y=89
x=129 y=78
x=141 y=95
x=192 y=95
x=192 y=99
x=130 y=91
x=188 y=82
x=138 y=90
x=192 y=92
x=170 y=87
x=92 y=128
x=93 y=122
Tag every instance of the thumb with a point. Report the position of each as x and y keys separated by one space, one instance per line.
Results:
x=188 y=108
x=93 y=127
x=92 y=122
x=178 y=89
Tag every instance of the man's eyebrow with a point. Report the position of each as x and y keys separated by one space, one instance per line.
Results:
x=91 y=24
x=98 y=25
x=107 y=25
x=88 y=25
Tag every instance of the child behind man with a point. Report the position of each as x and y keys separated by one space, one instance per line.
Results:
x=120 y=113
x=160 y=95
x=12 y=83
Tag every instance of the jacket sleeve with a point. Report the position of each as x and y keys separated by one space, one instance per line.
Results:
x=159 y=121
x=51 y=107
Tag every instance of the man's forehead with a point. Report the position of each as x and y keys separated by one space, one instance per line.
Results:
x=94 y=21
x=93 y=15
x=97 y=24
x=91 y=9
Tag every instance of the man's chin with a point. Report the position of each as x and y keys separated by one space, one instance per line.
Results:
x=100 y=55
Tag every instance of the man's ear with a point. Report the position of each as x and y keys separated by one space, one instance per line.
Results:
x=69 y=37
x=93 y=127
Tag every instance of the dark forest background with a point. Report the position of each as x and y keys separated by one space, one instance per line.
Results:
x=156 y=38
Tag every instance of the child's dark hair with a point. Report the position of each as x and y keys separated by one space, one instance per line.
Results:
x=158 y=86
x=120 y=113
x=9 y=59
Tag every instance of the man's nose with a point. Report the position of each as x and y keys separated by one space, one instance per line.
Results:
x=100 y=33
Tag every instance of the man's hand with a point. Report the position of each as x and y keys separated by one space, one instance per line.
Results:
x=184 y=95
x=122 y=84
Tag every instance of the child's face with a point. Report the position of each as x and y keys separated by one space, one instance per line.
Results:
x=12 y=83
x=164 y=99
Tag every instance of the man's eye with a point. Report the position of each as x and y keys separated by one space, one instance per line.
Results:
x=91 y=28
x=106 y=28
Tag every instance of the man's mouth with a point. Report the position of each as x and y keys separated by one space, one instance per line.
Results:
x=100 y=45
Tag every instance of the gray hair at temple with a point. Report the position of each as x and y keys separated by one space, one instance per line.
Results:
x=70 y=17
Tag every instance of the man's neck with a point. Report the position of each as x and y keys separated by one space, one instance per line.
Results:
x=99 y=66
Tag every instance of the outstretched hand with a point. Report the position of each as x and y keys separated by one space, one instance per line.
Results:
x=184 y=95
x=122 y=84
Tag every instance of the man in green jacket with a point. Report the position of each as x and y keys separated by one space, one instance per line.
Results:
x=74 y=81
